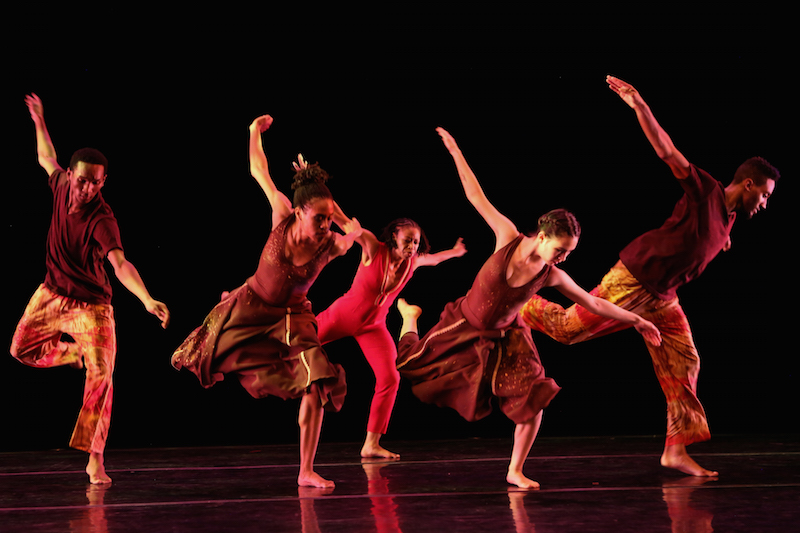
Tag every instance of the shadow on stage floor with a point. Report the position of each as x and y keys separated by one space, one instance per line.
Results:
x=588 y=484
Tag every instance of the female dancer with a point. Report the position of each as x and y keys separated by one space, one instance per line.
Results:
x=386 y=266
x=480 y=348
x=264 y=331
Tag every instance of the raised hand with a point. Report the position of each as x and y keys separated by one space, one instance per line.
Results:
x=35 y=107
x=459 y=248
x=448 y=140
x=625 y=90
x=262 y=123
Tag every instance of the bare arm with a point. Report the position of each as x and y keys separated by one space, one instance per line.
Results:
x=129 y=277
x=504 y=230
x=661 y=142
x=45 y=149
x=259 y=169
x=566 y=286
x=434 y=259
x=366 y=239
x=352 y=231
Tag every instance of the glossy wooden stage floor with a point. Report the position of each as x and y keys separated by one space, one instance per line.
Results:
x=588 y=484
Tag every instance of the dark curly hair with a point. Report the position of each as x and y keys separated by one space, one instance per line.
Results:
x=559 y=222
x=758 y=169
x=309 y=184
x=91 y=156
x=387 y=235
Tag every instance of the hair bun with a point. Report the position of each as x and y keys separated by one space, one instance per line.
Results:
x=311 y=175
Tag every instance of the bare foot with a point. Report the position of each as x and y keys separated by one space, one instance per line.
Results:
x=96 y=469
x=518 y=479
x=312 y=479
x=408 y=310
x=675 y=457
x=369 y=450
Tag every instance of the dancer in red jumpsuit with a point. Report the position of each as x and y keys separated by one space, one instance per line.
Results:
x=386 y=267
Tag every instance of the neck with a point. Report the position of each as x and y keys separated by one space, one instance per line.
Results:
x=733 y=197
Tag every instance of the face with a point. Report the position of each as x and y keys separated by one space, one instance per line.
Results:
x=755 y=196
x=86 y=180
x=555 y=250
x=315 y=218
x=406 y=240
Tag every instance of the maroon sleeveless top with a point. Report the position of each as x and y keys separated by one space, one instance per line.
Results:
x=279 y=282
x=492 y=303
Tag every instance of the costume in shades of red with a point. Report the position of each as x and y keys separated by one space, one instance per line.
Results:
x=361 y=313
x=265 y=333
x=480 y=348
x=644 y=281
x=75 y=299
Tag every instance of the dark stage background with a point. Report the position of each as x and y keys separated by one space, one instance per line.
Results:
x=541 y=131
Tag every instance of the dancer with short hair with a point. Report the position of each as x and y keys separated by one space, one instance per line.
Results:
x=75 y=298
x=651 y=269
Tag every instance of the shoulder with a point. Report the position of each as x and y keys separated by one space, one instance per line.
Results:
x=699 y=182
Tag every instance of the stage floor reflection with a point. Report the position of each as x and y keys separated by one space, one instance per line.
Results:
x=588 y=485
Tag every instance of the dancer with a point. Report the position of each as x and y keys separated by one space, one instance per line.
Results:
x=480 y=348
x=651 y=269
x=69 y=319
x=386 y=267
x=264 y=331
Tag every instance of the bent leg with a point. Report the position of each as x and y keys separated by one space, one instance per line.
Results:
x=576 y=324
x=37 y=338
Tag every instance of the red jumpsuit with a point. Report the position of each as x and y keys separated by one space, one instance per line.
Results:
x=361 y=313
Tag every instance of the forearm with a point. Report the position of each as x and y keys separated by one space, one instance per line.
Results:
x=606 y=309
x=129 y=276
x=257 y=157
x=658 y=138
x=45 y=149
x=439 y=257
x=469 y=181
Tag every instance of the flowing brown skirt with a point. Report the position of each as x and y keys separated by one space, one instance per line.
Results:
x=273 y=351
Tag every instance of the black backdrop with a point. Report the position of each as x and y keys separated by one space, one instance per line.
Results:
x=540 y=129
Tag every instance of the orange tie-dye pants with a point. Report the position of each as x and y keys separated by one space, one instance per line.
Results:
x=38 y=342
x=676 y=361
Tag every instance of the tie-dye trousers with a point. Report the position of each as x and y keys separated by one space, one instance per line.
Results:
x=676 y=361
x=38 y=342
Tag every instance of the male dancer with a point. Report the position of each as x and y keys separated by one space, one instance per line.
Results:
x=654 y=265
x=75 y=298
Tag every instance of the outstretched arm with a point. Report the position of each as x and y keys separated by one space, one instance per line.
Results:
x=504 y=230
x=129 y=277
x=434 y=259
x=44 y=145
x=661 y=142
x=259 y=169
x=566 y=286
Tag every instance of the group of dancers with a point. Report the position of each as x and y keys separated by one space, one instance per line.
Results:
x=479 y=353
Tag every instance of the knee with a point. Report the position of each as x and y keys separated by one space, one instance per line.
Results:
x=388 y=382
